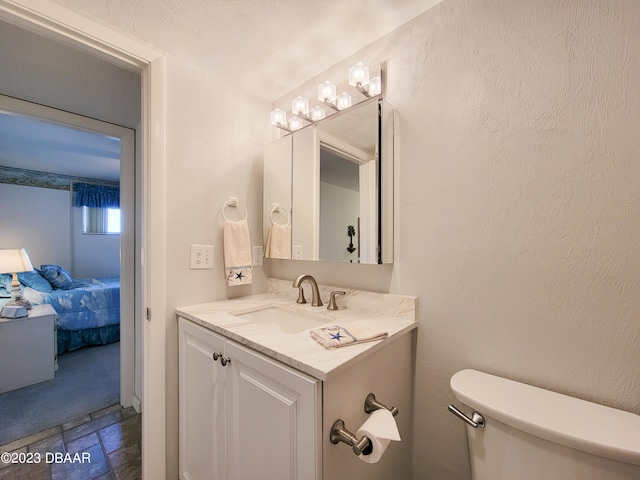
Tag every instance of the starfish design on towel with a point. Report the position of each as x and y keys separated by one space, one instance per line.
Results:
x=336 y=336
x=239 y=275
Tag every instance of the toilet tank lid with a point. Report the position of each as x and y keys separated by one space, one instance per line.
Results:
x=555 y=417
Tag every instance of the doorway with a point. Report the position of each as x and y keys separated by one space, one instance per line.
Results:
x=54 y=21
x=126 y=138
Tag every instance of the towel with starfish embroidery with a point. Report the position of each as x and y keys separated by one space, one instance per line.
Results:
x=337 y=336
x=237 y=253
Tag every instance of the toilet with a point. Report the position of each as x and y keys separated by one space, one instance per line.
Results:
x=527 y=433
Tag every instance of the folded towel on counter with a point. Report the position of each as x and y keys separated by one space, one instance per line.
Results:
x=337 y=336
x=279 y=241
x=237 y=253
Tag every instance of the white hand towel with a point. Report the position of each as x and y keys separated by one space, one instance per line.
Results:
x=337 y=336
x=279 y=241
x=237 y=253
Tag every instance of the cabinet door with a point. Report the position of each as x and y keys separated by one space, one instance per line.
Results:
x=273 y=419
x=202 y=410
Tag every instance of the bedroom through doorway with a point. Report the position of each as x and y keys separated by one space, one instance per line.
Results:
x=96 y=319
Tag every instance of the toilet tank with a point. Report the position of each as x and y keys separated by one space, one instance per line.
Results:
x=532 y=434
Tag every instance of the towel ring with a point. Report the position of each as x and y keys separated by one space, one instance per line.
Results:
x=279 y=208
x=234 y=202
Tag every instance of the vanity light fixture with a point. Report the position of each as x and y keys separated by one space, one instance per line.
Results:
x=300 y=106
x=279 y=119
x=327 y=94
x=358 y=78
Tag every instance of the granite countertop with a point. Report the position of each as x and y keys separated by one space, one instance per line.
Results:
x=394 y=314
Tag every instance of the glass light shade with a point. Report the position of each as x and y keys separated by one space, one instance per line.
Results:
x=295 y=124
x=278 y=117
x=300 y=106
x=327 y=92
x=317 y=113
x=343 y=101
x=375 y=86
x=358 y=74
x=15 y=261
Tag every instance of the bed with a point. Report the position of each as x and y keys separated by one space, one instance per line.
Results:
x=88 y=308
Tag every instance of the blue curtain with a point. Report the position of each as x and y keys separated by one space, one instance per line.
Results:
x=100 y=196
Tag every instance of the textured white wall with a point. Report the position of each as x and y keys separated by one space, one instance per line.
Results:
x=215 y=137
x=517 y=203
x=38 y=220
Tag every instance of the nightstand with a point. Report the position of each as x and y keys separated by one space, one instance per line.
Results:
x=27 y=348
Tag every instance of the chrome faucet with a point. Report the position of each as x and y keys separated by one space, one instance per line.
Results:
x=316 y=301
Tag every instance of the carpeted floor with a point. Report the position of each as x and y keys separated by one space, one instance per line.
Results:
x=87 y=380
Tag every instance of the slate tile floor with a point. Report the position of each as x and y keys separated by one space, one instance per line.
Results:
x=110 y=438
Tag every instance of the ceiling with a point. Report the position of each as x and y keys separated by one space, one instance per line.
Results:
x=33 y=144
x=268 y=47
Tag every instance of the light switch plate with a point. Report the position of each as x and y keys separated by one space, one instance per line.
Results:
x=201 y=257
x=258 y=256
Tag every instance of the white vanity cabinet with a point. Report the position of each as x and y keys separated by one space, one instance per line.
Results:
x=244 y=416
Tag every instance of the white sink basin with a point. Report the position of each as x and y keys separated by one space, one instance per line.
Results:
x=282 y=319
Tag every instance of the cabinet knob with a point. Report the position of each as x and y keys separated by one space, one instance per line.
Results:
x=223 y=361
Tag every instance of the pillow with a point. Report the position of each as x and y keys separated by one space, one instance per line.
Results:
x=57 y=276
x=5 y=285
x=35 y=281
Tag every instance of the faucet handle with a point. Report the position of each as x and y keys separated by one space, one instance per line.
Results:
x=301 y=298
x=332 y=301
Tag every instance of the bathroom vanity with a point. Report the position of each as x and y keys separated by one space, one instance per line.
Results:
x=258 y=396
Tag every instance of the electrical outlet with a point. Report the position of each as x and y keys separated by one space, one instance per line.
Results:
x=258 y=256
x=201 y=257
x=296 y=253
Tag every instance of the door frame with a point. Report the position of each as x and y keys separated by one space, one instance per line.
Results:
x=53 y=21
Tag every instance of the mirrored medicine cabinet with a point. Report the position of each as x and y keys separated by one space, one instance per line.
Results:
x=332 y=182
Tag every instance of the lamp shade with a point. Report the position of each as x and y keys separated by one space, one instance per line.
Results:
x=278 y=117
x=14 y=261
x=300 y=106
x=295 y=124
x=327 y=92
x=375 y=86
x=358 y=75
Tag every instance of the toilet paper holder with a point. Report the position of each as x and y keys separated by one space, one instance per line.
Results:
x=371 y=405
x=362 y=446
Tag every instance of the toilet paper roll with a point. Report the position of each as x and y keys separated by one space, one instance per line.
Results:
x=380 y=428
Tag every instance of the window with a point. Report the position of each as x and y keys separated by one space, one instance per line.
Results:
x=103 y=221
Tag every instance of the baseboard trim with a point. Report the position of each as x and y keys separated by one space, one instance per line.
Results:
x=136 y=403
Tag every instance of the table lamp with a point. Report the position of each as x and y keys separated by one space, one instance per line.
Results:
x=14 y=261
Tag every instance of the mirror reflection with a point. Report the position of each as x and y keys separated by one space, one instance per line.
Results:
x=328 y=189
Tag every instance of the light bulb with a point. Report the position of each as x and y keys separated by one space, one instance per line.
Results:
x=375 y=86
x=317 y=113
x=278 y=117
x=327 y=92
x=358 y=75
x=300 y=106
x=343 y=101
x=295 y=124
